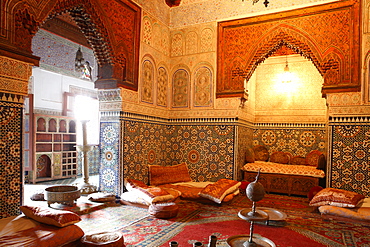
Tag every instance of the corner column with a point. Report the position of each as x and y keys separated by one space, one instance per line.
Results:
x=111 y=173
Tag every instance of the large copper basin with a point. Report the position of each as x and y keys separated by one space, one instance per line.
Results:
x=64 y=194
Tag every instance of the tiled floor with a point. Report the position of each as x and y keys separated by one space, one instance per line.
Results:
x=31 y=189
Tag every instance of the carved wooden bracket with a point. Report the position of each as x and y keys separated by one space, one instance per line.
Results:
x=173 y=3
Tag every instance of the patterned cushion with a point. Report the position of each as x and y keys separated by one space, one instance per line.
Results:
x=312 y=158
x=186 y=192
x=217 y=191
x=336 y=197
x=298 y=160
x=261 y=153
x=279 y=157
x=148 y=193
x=270 y=167
x=60 y=218
x=168 y=174
x=249 y=155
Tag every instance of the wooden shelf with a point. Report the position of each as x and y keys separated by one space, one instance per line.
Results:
x=55 y=154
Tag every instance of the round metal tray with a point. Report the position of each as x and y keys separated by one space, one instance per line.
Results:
x=239 y=240
x=259 y=215
x=274 y=214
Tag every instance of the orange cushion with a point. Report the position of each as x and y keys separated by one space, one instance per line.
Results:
x=336 y=197
x=150 y=194
x=60 y=218
x=298 y=160
x=186 y=192
x=261 y=153
x=249 y=155
x=168 y=174
x=314 y=158
x=217 y=191
x=279 y=157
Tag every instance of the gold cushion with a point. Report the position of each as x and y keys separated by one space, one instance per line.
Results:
x=168 y=174
x=336 y=197
x=261 y=153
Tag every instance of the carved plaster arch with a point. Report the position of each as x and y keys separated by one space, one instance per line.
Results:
x=314 y=32
x=87 y=20
x=328 y=64
x=116 y=49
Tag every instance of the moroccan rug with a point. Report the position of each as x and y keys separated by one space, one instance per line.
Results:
x=195 y=222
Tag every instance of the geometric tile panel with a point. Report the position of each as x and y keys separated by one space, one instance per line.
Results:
x=10 y=158
x=297 y=141
x=212 y=150
x=206 y=148
x=110 y=176
x=350 y=169
x=245 y=140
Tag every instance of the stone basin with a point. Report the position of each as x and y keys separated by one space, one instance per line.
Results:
x=64 y=194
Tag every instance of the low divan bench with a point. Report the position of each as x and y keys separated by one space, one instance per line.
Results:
x=280 y=172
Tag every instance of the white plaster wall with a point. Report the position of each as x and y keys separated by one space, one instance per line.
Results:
x=48 y=88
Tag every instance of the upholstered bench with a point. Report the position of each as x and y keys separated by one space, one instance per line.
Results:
x=281 y=172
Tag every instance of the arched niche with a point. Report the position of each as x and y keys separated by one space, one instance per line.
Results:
x=275 y=99
x=43 y=164
x=41 y=125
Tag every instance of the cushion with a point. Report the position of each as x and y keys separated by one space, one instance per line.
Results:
x=217 y=191
x=111 y=239
x=357 y=214
x=133 y=197
x=261 y=153
x=102 y=197
x=336 y=197
x=163 y=210
x=168 y=174
x=60 y=218
x=186 y=192
x=312 y=158
x=38 y=196
x=279 y=157
x=249 y=155
x=298 y=160
x=313 y=191
x=148 y=193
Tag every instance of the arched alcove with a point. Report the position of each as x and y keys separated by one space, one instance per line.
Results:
x=298 y=100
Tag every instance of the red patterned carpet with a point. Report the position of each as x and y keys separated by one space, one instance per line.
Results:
x=196 y=222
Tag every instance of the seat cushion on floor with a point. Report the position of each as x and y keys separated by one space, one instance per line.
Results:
x=106 y=239
x=102 y=197
x=164 y=210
